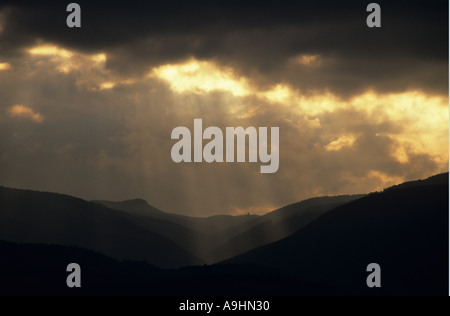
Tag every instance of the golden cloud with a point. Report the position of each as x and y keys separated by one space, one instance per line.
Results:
x=280 y=93
x=5 y=66
x=307 y=60
x=25 y=112
x=50 y=50
x=89 y=69
x=107 y=85
x=66 y=61
x=202 y=77
x=341 y=142
x=422 y=118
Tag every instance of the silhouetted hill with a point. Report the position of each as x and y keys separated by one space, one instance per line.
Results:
x=136 y=207
x=196 y=242
x=404 y=229
x=142 y=214
x=278 y=225
x=34 y=269
x=220 y=237
x=218 y=224
x=27 y=216
x=197 y=235
x=41 y=270
x=440 y=179
x=134 y=229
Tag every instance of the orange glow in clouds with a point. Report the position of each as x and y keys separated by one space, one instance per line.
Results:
x=25 y=112
x=5 y=66
x=422 y=119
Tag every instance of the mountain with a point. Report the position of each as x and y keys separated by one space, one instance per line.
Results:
x=28 y=216
x=221 y=237
x=218 y=224
x=440 y=179
x=135 y=230
x=142 y=214
x=36 y=269
x=278 y=225
x=135 y=207
x=403 y=229
x=197 y=235
x=328 y=243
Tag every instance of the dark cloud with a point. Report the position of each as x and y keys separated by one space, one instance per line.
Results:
x=115 y=143
x=255 y=36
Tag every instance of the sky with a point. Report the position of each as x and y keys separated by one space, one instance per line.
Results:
x=89 y=111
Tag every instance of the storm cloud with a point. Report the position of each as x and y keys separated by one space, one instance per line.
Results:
x=89 y=111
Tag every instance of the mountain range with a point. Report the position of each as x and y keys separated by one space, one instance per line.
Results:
x=403 y=229
x=317 y=246
x=48 y=218
x=220 y=237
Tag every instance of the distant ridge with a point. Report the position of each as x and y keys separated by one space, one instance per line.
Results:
x=219 y=237
x=37 y=217
x=302 y=238
x=404 y=229
x=136 y=206
x=279 y=224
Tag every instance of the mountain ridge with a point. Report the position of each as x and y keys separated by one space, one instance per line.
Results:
x=279 y=224
x=30 y=216
x=405 y=230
